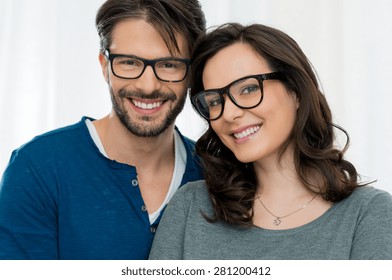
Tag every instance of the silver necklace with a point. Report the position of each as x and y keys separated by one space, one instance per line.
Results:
x=278 y=219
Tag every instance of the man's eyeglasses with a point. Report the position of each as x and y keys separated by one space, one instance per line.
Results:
x=132 y=67
x=246 y=93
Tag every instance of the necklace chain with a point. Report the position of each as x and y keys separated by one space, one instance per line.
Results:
x=278 y=219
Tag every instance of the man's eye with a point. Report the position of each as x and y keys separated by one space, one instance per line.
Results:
x=170 y=64
x=128 y=62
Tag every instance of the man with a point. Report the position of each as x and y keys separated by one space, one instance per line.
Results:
x=97 y=189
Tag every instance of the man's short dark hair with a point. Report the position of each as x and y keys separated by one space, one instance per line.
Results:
x=169 y=17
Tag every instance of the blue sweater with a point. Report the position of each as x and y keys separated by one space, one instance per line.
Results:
x=60 y=198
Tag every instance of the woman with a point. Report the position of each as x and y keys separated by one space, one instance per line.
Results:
x=276 y=185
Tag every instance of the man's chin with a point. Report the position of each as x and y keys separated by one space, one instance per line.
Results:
x=146 y=128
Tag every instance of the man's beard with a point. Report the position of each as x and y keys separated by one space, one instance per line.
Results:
x=141 y=128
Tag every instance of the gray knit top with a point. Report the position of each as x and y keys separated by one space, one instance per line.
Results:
x=358 y=227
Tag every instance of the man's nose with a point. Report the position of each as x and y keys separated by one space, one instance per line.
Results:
x=148 y=82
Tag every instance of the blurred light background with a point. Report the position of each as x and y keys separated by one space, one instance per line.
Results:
x=50 y=75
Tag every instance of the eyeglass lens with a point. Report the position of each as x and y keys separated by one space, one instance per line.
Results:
x=245 y=93
x=166 y=69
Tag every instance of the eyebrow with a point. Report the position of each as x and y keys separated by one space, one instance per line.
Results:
x=159 y=58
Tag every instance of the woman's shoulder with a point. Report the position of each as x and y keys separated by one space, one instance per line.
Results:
x=369 y=197
x=196 y=193
x=371 y=194
x=198 y=187
x=192 y=196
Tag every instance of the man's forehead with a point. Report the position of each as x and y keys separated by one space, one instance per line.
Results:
x=138 y=35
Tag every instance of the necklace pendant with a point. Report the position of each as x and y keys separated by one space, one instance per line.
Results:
x=277 y=221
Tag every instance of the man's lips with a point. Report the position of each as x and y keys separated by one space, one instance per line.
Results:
x=145 y=104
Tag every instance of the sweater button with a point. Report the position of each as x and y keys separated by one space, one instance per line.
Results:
x=135 y=182
x=144 y=208
x=153 y=229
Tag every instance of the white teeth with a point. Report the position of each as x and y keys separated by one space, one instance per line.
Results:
x=147 y=106
x=247 y=132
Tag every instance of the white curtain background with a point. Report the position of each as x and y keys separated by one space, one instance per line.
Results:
x=50 y=75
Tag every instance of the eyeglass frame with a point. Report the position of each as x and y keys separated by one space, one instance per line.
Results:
x=225 y=90
x=147 y=62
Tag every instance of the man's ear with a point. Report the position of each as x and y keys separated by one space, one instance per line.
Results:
x=104 y=65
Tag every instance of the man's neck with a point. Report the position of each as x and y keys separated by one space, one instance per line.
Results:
x=125 y=147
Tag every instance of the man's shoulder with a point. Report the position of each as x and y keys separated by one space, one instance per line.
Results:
x=189 y=143
x=193 y=170
x=55 y=138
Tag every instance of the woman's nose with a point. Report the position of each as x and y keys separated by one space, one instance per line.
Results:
x=231 y=111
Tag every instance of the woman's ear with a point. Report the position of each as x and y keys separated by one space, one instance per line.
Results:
x=295 y=98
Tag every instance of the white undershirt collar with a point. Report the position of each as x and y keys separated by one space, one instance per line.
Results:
x=179 y=165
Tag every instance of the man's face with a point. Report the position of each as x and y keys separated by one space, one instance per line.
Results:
x=146 y=106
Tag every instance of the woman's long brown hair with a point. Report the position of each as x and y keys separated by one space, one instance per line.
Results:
x=231 y=183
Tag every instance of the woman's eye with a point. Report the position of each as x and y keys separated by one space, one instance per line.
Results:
x=214 y=102
x=250 y=89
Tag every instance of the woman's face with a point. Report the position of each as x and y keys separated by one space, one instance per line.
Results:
x=255 y=134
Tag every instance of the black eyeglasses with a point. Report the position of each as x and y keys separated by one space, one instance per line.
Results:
x=246 y=93
x=132 y=67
